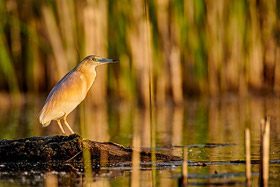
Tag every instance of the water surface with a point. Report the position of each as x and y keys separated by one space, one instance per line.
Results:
x=212 y=129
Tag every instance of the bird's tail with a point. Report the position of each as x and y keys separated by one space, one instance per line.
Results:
x=43 y=120
x=45 y=124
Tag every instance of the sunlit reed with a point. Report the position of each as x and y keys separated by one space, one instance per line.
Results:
x=185 y=166
x=67 y=23
x=86 y=152
x=248 y=156
x=276 y=86
x=56 y=43
x=88 y=162
x=177 y=129
x=136 y=144
x=265 y=147
x=95 y=42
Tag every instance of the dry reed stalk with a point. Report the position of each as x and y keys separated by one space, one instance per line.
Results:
x=234 y=67
x=185 y=166
x=261 y=148
x=170 y=54
x=160 y=88
x=56 y=43
x=265 y=146
x=139 y=37
x=6 y=58
x=248 y=156
x=88 y=163
x=67 y=22
x=82 y=113
x=276 y=85
x=146 y=134
x=136 y=144
x=176 y=75
x=163 y=118
x=269 y=17
x=95 y=28
x=255 y=68
x=7 y=68
x=191 y=81
x=35 y=72
x=215 y=34
x=162 y=25
x=177 y=128
x=12 y=6
x=148 y=54
x=126 y=88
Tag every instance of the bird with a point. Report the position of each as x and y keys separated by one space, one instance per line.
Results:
x=70 y=91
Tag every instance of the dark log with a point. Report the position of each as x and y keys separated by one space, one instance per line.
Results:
x=66 y=153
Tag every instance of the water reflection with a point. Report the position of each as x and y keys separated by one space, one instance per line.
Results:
x=197 y=122
x=51 y=180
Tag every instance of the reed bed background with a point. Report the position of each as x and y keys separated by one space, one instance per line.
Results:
x=182 y=48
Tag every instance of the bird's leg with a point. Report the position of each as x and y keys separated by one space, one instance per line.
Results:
x=68 y=126
x=60 y=126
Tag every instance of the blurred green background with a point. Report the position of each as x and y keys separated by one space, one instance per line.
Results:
x=169 y=48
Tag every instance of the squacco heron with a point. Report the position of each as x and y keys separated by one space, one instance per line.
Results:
x=70 y=91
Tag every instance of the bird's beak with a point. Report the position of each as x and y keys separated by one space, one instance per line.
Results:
x=105 y=61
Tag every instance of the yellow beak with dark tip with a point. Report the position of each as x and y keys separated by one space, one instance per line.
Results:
x=70 y=91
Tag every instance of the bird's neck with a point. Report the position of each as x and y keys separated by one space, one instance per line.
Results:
x=89 y=74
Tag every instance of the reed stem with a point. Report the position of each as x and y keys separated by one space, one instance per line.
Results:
x=248 y=156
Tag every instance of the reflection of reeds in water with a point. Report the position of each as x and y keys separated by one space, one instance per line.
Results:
x=96 y=123
x=220 y=123
x=51 y=180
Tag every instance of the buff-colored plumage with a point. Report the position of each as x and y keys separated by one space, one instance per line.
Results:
x=70 y=91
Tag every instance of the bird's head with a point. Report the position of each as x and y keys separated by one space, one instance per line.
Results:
x=96 y=60
x=90 y=62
